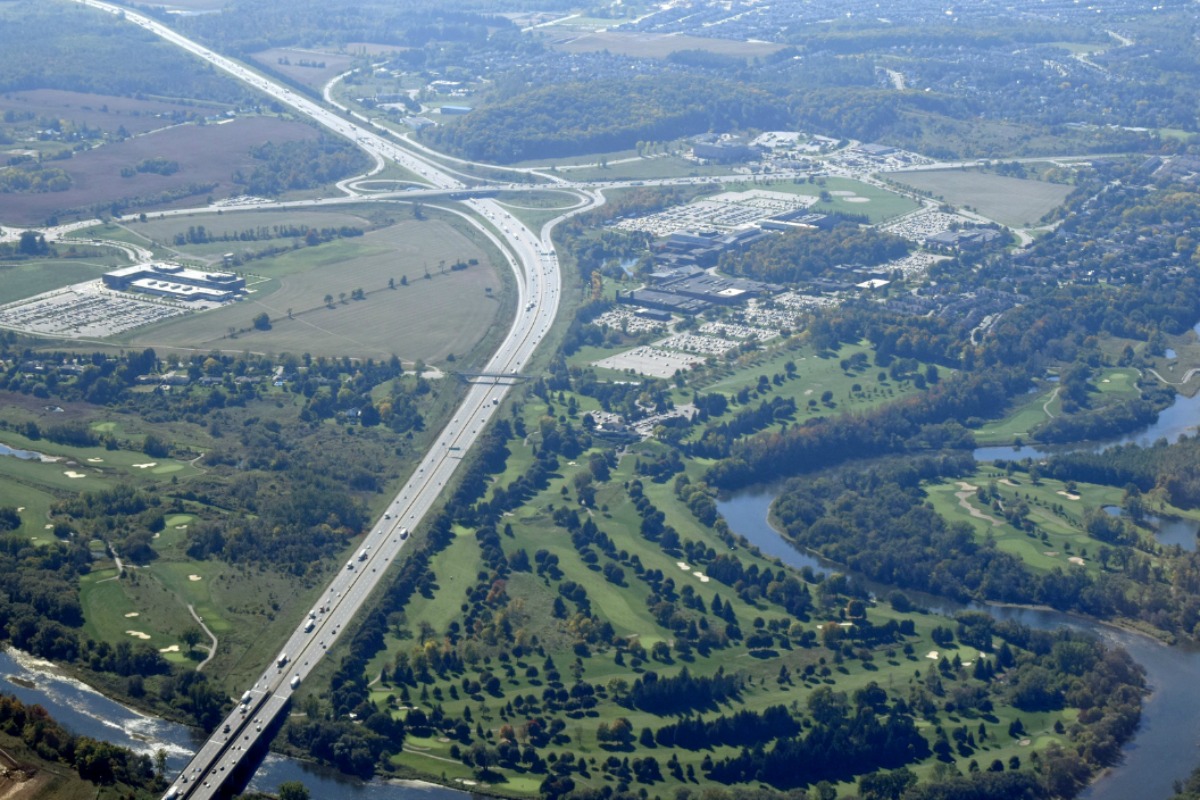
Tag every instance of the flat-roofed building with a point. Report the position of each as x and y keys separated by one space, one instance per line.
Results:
x=172 y=280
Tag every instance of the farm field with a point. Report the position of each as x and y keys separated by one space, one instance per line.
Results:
x=107 y=113
x=207 y=154
x=1010 y=201
x=657 y=45
x=312 y=76
x=431 y=318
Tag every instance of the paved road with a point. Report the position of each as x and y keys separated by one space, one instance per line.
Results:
x=538 y=290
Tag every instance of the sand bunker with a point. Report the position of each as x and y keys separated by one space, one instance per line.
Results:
x=73 y=474
x=933 y=654
x=20 y=509
x=132 y=614
x=95 y=460
x=1076 y=560
x=195 y=578
x=145 y=466
x=47 y=526
x=683 y=565
x=1068 y=495
x=138 y=634
x=703 y=578
x=172 y=649
x=858 y=199
x=842 y=193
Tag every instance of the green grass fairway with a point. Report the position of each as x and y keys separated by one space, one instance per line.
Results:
x=1024 y=418
x=1057 y=513
x=451 y=312
x=1009 y=201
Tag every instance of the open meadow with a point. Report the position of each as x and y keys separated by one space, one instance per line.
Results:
x=1016 y=202
x=448 y=312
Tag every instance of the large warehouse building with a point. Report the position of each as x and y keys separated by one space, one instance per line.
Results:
x=176 y=282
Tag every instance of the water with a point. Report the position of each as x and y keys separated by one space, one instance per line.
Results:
x=1179 y=418
x=25 y=455
x=1169 y=353
x=86 y=712
x=1165 y=747
x=1167 y=531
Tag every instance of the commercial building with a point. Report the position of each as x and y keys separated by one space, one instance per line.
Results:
x=176 y=282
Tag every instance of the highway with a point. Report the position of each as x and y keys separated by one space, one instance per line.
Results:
x=539 y=288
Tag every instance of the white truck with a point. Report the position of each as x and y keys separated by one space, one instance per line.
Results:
x=283 y=659
x=295 y=681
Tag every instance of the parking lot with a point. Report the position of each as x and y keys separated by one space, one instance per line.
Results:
x=86 y=310
x=727 y=211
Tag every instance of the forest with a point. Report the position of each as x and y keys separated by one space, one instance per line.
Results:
x=578 y=117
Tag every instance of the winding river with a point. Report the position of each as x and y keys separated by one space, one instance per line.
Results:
x=1167 y=744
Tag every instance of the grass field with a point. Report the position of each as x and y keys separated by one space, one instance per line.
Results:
x=1009 y=201
x=451 y=312
x=26 y=278
x=882 y=204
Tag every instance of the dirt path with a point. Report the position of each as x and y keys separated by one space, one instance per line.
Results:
x=213 y=650
x=1046 y=405
x=967 y=491
x=1187 y=376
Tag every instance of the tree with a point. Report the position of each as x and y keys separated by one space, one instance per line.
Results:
x=32 y=243
x=190 y=638
x=262 y=322
x=293 y=790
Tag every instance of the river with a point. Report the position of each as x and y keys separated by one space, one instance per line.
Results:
x=1179 y=418
x=86 y=712
x=1167 y=744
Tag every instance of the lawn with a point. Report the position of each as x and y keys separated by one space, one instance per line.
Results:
x=26 y=278
x=1010 y=201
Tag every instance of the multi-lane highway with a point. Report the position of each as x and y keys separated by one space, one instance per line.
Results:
x=535 y=264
